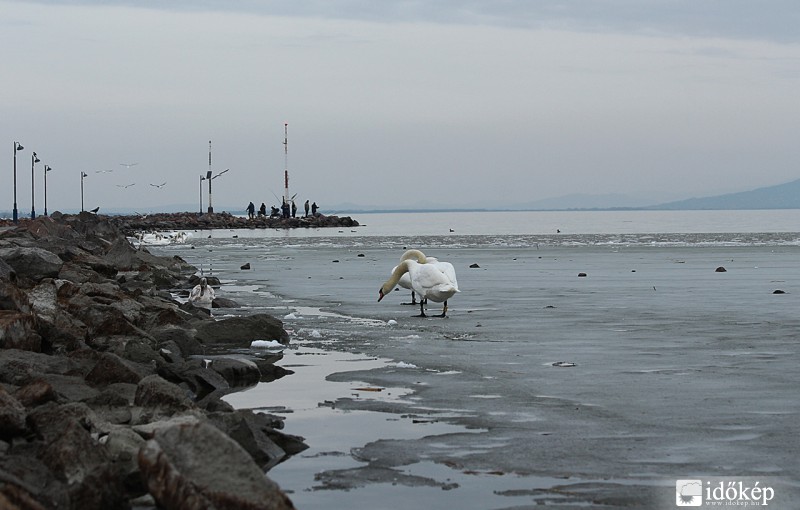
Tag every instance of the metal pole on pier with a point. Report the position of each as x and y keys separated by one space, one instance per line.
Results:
x=286 y=162
x=208 y=176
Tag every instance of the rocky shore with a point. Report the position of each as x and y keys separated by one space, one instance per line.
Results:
x=131 y=225
x=110 y=389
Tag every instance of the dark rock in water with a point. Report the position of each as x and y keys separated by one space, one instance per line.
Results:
x=245 y=266
x=581 y=275
x=242 y=331
x=221 y=302
x=720 y=269
x=779 y=291
x=361 y=255
x=474 y=266
x=252 y=431
x=238 y=372
x=198 y=466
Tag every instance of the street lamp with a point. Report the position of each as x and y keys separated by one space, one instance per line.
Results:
x=83 y=174
x=46 y=169
x=17 y=147
x=34 y=160
x=209 y=179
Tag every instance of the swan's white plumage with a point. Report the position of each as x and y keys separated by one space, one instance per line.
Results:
x=202 y=295
x=434 y=281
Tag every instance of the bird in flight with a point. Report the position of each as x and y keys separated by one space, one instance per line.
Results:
x=159 y=186
x=128 y=165
x=126 y=186
x=103 y=171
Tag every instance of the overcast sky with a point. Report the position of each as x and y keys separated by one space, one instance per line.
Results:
x=397 y=104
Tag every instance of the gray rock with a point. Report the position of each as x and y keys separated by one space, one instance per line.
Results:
x=237 y=371
x=154 y=391
x=251 y=432
x=241 y=331
x=222 y=302
x=12 y=416
x=18 y=331
x=32 y=263
x=197 y=466
x=113 y=369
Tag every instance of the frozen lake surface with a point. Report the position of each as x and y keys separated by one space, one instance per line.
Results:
x=671 y=369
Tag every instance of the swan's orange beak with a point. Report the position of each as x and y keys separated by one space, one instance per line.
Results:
x=380 y=294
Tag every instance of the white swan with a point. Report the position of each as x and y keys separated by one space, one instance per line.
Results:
x=430 y=281
x=202 y=295
x=405 y=280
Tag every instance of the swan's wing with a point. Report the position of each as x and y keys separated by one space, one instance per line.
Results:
x=449 y=271
x=427 y=280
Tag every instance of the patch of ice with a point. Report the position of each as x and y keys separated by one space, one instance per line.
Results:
x=315 y=334
x=403 y=364
x=392 y=322
x=266 y=344
x=289 y=316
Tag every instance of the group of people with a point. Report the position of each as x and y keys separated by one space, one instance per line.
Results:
x=288 y=210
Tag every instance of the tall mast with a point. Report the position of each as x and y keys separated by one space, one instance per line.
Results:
x=286 y=161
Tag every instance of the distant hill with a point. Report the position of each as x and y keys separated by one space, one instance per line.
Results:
x=781 y=196
x=583 y=201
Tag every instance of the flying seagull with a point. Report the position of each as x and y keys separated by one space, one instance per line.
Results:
x=128 y=165
x=126 y=186
x=103 y=171
x=159 y=186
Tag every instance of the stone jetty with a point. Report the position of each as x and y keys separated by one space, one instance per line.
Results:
x=110 y=389
x=131 y=225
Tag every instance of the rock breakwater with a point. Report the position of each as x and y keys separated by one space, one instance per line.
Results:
x=110 y=389
x=131 y=225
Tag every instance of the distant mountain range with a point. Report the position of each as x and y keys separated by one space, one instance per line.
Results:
x=781 y=196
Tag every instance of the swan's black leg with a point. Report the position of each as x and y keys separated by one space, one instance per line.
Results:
x=444 y=311
x=413 y=299
x=421 y=311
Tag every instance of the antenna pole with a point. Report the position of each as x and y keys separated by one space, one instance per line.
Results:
x=286 y=162
x=208 y=176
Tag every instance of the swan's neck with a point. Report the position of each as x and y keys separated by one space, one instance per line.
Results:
x=413 y=254
x=398 y=272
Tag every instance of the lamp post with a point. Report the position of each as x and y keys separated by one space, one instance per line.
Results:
x=34 y=160
x=83 y=174
x=46 y=169
x=17 y=147
x=209 y=179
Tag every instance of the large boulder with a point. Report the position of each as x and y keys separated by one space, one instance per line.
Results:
x=242 y=331
x=198 y=467
x=32 y=263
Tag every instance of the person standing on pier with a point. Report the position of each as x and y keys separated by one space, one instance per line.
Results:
x=306 y=216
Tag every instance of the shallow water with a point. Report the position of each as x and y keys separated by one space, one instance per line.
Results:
x=679 y=371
